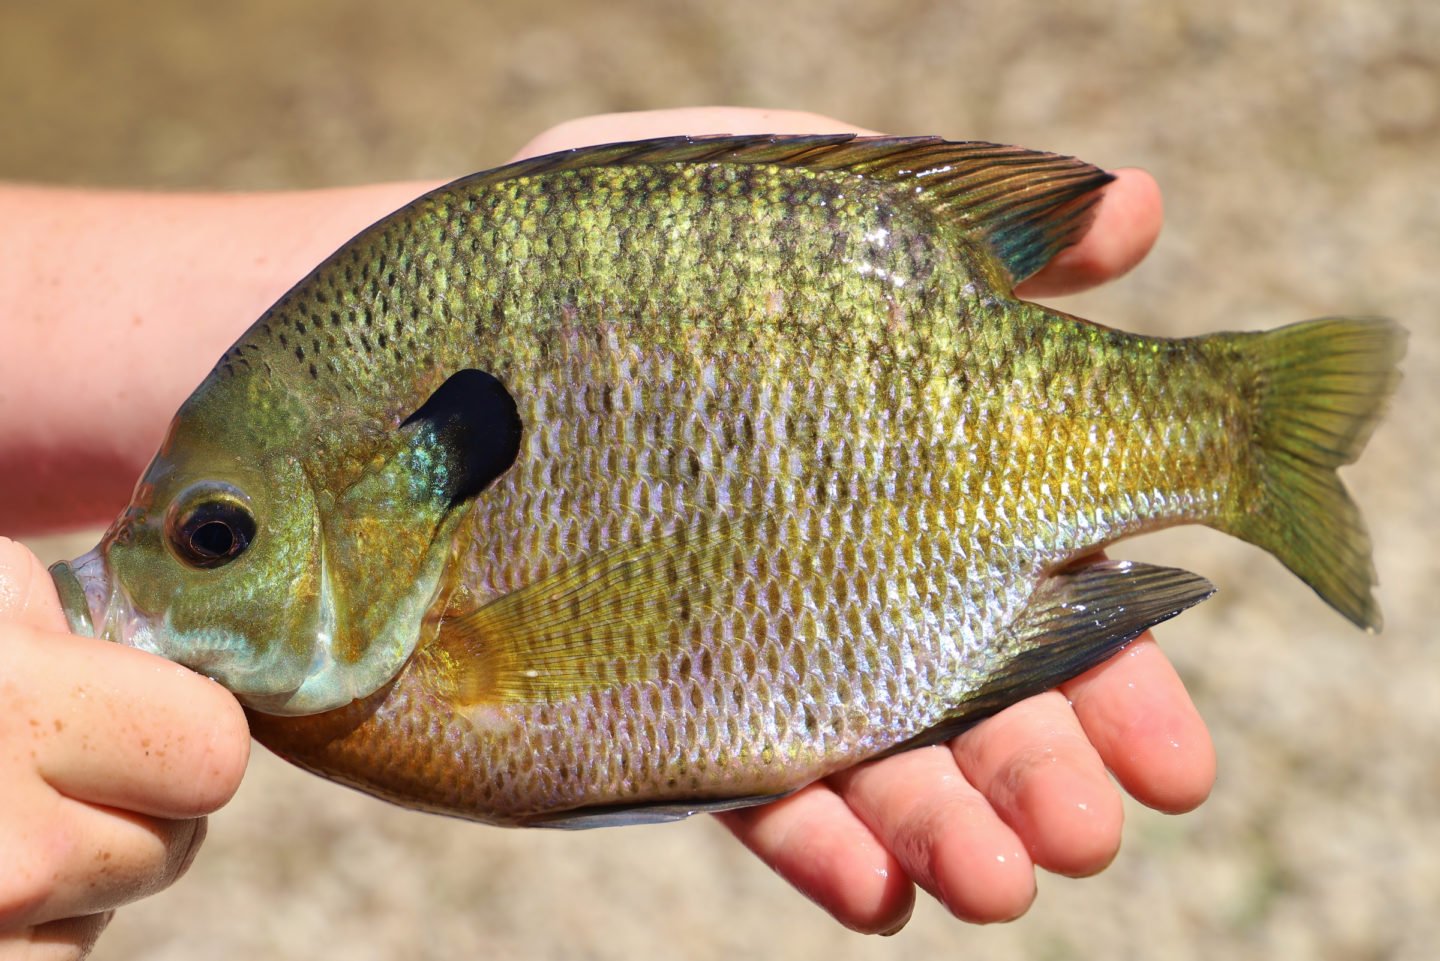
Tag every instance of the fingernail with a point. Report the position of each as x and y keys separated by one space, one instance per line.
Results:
x=891 y=932
x=899 y=925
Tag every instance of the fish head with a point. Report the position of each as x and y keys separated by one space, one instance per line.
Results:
x=298 y=575
x=216 y=563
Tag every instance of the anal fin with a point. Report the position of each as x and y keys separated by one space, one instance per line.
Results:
x=1076 y=619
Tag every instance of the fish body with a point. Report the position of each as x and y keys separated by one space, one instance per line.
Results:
x=667 y=476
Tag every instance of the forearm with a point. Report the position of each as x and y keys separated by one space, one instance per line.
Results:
x=113 y=306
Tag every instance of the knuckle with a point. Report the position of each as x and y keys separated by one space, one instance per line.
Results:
x=136 y=867
x=1020 y=768
x=32 y=874
x=917 y=837
x=184 y=848
x=949 y=847
x=225 y=751
x=82 y=933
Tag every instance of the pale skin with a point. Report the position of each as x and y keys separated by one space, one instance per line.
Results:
x=116 y=304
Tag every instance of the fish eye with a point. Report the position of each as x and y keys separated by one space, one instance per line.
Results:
x=209 y=525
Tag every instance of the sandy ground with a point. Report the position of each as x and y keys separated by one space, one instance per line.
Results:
x=1298 y=142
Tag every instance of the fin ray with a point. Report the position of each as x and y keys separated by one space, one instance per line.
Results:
x=1025 y=206
x=599 y=619
x=1320 y=388
x=1077 y=619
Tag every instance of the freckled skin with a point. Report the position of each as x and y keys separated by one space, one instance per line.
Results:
x=816 y=454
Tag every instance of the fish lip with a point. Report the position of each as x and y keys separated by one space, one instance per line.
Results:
x=84 y=589
x=95 y=605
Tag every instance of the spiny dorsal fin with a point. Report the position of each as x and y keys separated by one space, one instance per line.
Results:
x=1024 y=205
x=597 y=622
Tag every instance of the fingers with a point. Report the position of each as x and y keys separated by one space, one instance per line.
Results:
x=944 y=833
x=118 y=727
x=106 y=724
x=696 y=121
x=815 y=842
x=1127 y=223
x=92 y=734
x=1027 y=787
x=107 y=758
x=1036 y=768
x=1135 y=710
x=66 y=940
x=27 y=595
x=74 y=860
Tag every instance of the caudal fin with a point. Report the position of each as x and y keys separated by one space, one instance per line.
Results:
x=1320 y=388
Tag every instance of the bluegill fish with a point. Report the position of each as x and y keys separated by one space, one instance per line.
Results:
x=658 y=477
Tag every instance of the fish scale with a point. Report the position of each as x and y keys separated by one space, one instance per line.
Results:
x=669 y=476
x=917 y=641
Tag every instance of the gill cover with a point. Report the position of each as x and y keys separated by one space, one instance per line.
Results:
x=243 y=564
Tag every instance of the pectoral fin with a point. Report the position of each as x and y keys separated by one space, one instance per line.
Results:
x=1075 y=620
x=600 y=621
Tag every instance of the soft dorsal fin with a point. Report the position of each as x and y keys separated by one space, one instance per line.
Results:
x=597 y=622
x=1024 y=205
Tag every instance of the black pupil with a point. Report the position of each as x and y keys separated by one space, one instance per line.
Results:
x=213 y=539
x=216 y=533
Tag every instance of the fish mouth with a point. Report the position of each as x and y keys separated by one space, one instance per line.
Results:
x=94 y=605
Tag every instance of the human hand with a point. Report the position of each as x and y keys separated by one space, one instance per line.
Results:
x=109 y=760
x=970 y=820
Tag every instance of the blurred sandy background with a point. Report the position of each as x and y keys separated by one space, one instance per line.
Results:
x=1299 y=145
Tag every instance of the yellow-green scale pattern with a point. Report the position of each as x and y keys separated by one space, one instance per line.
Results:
x=891 y=449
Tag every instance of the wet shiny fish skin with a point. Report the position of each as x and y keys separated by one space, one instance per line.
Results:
x=800 y=480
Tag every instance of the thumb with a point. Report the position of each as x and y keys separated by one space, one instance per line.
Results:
x=27 y=595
